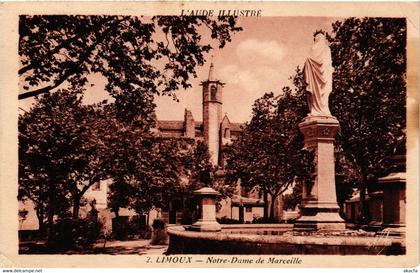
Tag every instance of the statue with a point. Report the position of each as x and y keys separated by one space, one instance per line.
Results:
x=318 y=76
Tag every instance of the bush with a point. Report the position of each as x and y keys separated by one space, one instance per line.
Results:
x=120 y=228
x=158 y=224
x=71 y=233
x=145 y=232
x=159 y=236
x=228 y=221
x=136 y=229
x=262 y=220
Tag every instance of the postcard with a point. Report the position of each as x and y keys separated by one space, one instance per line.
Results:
x=198 y=134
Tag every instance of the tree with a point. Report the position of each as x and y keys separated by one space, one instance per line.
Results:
x=58 y=154
x=154 y=172
x=197 y=166
x=144 y=168
x=136 y=54
x=369 y=93
x=198 y=170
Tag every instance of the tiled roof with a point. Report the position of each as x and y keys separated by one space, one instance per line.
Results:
x=179 y=125
x=236 y=126
x=170 y=124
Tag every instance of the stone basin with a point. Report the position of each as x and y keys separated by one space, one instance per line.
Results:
x=280 y=239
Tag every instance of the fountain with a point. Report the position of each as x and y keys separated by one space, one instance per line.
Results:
x=208 y=237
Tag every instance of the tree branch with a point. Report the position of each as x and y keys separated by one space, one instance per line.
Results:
x=72 y=70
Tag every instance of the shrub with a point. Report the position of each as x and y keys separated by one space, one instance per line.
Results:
x=145 y=232
x=71 y=233
x=227 y=221
x=159 y=236
x=120 y=228
x=262 y=220
x=158 y=224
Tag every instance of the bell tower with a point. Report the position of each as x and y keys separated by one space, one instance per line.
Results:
x=212 y=114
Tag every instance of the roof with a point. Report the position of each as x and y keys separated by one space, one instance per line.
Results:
x=198 y=124
x=226 y=119
x=170 y=124
x=236 y=127
x=393 y=178
x=178 y=125
x=211 y=76
x=237 y=199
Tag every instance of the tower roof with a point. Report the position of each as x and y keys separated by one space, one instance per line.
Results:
x=211 y=77
x=226 y=119
x=211 y=73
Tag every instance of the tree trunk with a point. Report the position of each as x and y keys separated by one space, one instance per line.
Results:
x=50 y=214
x=76 y=207
x=50 y=224
x=272 y=205
x=41 y=224
x=364 y=208
x=265 y=205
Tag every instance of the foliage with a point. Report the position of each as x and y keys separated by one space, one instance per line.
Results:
x=159 y=235
x=158 y=224
x=227 y=221
x=198 y=167
x=153 y=172
x=58 y=154
x=137 y=55
x=144 y=169
x=72 y=233
x=293 y=199
x=263 y=220
x=369 y=93
x=65 y=147
x=200 y=172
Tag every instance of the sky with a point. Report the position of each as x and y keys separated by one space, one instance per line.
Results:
x=259 y=59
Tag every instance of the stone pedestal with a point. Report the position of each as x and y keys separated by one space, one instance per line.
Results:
x=207 y=221
x=319 y=208
x=375 y=201
x=394 y=202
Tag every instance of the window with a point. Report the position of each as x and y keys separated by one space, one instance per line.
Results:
x=213 y=93
x=248 y=209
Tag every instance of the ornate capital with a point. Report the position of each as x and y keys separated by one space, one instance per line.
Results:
x=319 y=129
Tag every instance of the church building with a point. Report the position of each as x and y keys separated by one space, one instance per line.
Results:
x=215 y=130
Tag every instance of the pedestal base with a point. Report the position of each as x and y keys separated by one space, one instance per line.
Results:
x=319 y=216
x=206 y=226
x=321 y=221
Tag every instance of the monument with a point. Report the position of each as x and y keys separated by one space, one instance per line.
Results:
x=319 y=208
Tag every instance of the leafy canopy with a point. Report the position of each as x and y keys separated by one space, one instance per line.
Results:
x=134 y=54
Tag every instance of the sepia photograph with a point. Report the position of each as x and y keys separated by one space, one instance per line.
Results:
x=215 y=133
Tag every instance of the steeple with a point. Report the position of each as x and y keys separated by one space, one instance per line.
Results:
x=211 y=72
x=212 y=113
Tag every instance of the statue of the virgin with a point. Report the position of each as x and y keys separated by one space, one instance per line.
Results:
x=318 y=76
